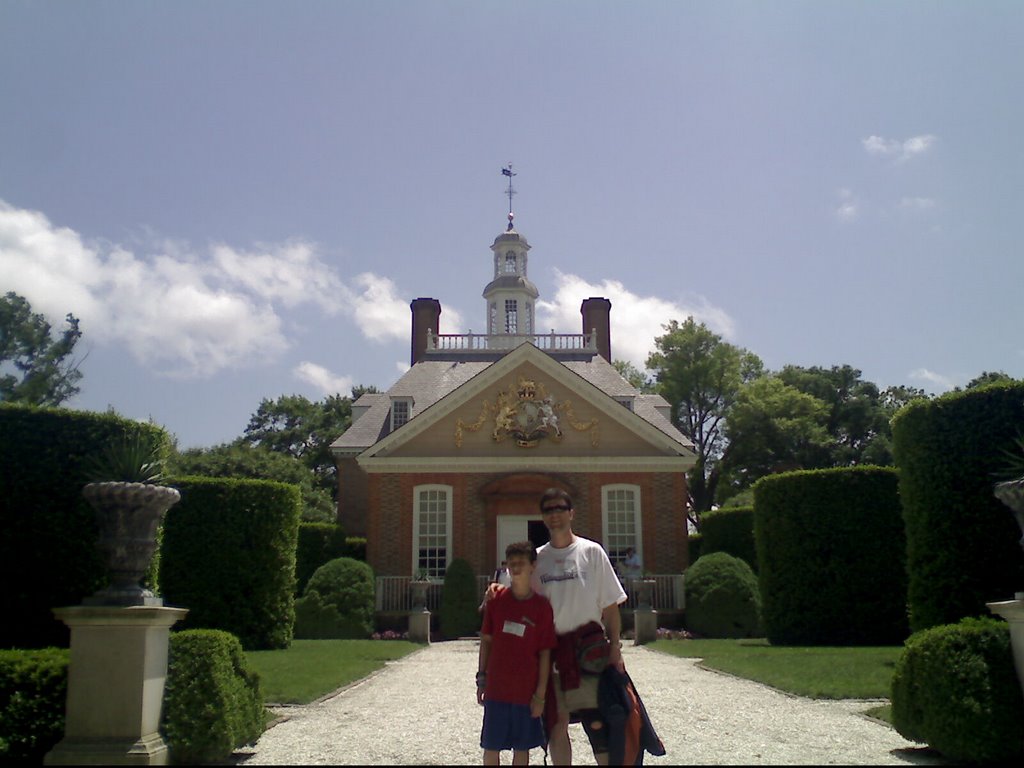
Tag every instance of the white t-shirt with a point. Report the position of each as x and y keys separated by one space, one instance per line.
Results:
x=578 y=580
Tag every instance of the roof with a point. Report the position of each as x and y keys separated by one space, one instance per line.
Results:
x=428 y=381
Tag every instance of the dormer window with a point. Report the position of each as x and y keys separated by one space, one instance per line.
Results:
x=510 y=263
x=401 y=407
x=626 y=402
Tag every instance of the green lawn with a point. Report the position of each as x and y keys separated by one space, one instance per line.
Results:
x=815 y=672
x=310 y=669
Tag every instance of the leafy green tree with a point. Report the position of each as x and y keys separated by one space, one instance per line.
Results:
x=46 y=375
x=701 y=376
x=987 y=377
x=773 y=427
x=634 y=376
x=240 y=460
x=304 y=429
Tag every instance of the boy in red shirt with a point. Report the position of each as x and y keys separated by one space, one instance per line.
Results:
x=516 y=639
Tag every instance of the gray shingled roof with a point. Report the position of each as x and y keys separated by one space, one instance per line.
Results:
x=430 y=380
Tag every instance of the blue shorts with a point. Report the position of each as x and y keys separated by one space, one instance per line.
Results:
x=509 y=726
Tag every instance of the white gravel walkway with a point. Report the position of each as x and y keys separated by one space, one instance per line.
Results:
x=422 y=710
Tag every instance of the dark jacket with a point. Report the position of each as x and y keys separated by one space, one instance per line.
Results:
x=630 y=732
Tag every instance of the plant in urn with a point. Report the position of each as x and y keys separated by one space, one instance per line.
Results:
x=129 y=505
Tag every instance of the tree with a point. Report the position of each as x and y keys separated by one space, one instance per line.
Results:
x=48 y=377
x=304 y=429
x=987 y=377
x=634 y=376
x=240 y=460
x=700 y=375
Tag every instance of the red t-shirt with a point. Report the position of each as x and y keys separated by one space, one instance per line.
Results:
x=519 y=631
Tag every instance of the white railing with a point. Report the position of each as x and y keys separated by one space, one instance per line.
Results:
x=483 y=342
x=395 y=596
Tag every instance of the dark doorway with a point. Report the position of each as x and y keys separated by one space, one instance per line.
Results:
x=538 y=533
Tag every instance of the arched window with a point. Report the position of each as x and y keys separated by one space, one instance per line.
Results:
x=620 y=515
x=510 y=262
x=431 y=529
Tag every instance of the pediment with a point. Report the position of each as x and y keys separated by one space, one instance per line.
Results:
x=527 y=410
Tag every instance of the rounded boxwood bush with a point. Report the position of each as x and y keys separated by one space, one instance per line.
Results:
x=955 y=689
x=338 y=601
x=722 y=598
x=460 y=603
x=33 y=692
x=730 y=529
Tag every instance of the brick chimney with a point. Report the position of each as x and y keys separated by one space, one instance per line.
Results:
x=595 y=311
x=426 y=314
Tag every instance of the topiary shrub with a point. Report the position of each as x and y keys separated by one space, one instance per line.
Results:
x=228 y=555
x=338 y=602
x=730 y=529
x=955 y=689
x=320 y=543
x=33 y=689
x=694 y=545
x=961 y=541
x=830 y=554
x=722 y=599
x=460 y=603
x=212 y=703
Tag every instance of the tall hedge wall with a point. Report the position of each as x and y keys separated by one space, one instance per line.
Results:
x=830 y=548
x=48 y=554
x=228 y=555
x=320 y=543
x=730 y=530
x=962 y=546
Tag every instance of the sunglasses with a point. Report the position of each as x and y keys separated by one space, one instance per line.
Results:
x=560 y=508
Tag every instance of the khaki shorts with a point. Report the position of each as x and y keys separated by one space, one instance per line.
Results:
x=584 y=697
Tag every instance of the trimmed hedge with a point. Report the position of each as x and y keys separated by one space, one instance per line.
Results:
x=722 y=597
x=228 y=555
x=460 y=603
x=955 y=688
x=962 y=546
x=830 y=550
x=33 y=689
x=45 y=521
x=320 y=543
x=730 y=529
x=694 y=547
x=338 y=602
x=212 y=703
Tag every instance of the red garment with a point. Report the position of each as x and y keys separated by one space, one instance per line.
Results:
x=519 y=631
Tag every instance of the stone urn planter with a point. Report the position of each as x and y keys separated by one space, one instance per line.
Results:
x=644 y=591
x=419 y=589
x=128 y=515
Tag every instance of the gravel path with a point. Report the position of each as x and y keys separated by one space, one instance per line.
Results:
x=421 y=710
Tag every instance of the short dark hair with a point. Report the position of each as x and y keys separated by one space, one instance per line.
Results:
x=553 y=494
x=521 y=548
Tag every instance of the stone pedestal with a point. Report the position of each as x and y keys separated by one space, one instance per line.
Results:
x=116 y=682
x=419 y=626
x=645 y=626
x=1013 y=612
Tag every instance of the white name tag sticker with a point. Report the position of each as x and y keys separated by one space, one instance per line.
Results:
x=514 y=628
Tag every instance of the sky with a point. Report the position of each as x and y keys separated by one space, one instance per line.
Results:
x=238 y=200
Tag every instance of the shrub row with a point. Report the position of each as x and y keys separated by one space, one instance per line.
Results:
x=955 y=688
x=830 y=550
x=320 y=543
x=212 y=702
x=45 y=520
x=730 y=529
x=961 y=541
x=228 y=555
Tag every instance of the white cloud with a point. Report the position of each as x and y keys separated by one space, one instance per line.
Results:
x=940 y=381
x=182 y=312
x=325 y=381
x=849 y=207
x=917 y=203
x=635 y=320
x=896 y=149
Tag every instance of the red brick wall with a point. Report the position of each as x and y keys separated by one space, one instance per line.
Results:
x=353 y=497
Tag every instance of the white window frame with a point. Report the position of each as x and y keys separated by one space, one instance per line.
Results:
x=511 y=263
x=418 y=511
x=511 y=316
x=395 y=418
x=606 y=512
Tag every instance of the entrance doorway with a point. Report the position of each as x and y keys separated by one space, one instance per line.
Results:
x=512 y=528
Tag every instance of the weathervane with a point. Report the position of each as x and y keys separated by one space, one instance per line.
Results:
x=508 y=172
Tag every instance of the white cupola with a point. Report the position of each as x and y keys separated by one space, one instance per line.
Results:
x=510 y=295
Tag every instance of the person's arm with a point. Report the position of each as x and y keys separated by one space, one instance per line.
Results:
x=481 y=667
x=612 y=620
x=543 y=668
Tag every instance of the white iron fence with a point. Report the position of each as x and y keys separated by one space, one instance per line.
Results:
x=395 y=596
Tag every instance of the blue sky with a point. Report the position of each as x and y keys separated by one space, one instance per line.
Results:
x=240 y=199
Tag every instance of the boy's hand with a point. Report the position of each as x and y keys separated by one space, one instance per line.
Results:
x=493 y=590
x=536 y=707
x=480 y=696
